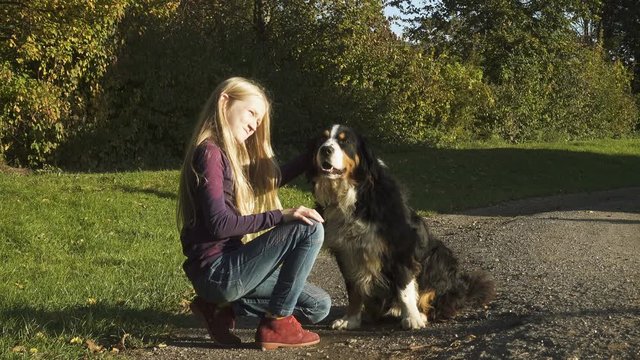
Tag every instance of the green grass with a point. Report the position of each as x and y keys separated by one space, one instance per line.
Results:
x=97 y=256
x=89 y=256
x=448 y=180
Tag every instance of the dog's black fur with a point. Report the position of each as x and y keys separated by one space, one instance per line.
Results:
x=381 y=245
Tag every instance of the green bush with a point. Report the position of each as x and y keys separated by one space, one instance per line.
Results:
x=360 y=74
x=436 y=101
x=172 y=56
x=53 y=59
x=30 y=119
x=119 y=83
x=564 y=95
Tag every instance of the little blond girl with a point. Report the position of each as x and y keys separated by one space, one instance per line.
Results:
x=228 y=189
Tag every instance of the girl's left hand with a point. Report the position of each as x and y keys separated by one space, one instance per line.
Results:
x=302 y=213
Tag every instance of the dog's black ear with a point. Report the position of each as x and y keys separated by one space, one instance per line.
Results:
x=311 y=149
x=369 y=168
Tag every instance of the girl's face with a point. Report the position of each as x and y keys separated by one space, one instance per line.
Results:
x=244 y=116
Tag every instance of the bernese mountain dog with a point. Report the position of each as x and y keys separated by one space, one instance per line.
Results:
x=390 y=263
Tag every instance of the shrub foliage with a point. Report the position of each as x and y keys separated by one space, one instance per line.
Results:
x=119 y=83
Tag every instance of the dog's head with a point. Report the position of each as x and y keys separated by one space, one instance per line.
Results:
x=340 y=152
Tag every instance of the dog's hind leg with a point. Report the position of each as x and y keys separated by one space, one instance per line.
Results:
x=412 y=318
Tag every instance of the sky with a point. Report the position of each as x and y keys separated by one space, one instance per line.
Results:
x=390 y=11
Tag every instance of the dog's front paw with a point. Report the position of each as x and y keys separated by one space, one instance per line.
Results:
x=414 y=323
x=346 y=323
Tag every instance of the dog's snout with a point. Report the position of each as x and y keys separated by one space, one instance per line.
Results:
x=326 y=150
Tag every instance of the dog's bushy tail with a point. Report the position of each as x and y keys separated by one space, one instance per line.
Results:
x=480 y=288
x=449 y=290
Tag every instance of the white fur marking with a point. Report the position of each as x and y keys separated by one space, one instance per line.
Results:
x=337 y=158
x=347 y=322
x=411 y=316
x=334 y=131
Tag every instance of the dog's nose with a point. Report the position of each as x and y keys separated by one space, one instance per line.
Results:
x=326 y=150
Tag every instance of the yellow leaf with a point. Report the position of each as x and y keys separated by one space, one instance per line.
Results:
x=76 y=340
x=122 y=344
x=162 y=345
x=184 y=306
x=92 y=301
x=33 y=351
x=19 y=349
x=93 y=347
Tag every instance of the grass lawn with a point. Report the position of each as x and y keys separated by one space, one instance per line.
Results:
x=94 y=260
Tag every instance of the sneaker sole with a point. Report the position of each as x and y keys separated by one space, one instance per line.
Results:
x=271 y=346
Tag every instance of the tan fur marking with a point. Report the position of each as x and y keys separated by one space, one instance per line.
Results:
x=350 y=165
x=425 y=301
x=327 y=133
x=342 y=136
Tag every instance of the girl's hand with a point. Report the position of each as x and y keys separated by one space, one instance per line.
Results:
x=301 y=213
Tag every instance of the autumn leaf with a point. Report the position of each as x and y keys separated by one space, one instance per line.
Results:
x=93 y=347
x=122 y=343
x=184 y=306
x=19 y=349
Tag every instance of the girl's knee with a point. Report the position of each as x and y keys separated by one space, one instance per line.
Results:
x=316 y=233
x=321 y=310
x=324 y=307
x=305 y=233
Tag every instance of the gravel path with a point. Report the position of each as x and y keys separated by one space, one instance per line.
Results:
x=566 y=270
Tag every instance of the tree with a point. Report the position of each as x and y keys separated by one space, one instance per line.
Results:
x=535 y=61
x=621 y=31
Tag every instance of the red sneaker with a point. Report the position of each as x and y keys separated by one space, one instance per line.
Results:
x=218 y=321
x=284 y=332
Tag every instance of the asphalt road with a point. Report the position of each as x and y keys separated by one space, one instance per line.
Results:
x=567 y=274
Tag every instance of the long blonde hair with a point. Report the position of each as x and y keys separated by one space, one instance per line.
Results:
x=255 y=171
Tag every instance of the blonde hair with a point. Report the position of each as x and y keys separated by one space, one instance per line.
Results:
x=255 y=171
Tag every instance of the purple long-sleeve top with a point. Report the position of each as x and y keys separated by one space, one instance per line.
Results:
x=219 y=227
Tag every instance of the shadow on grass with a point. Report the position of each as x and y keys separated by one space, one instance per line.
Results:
x=154 y=192
x=107 y=322
x=455 y=180
x=450 y=180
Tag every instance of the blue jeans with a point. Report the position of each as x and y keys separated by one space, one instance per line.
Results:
x=252 y=279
